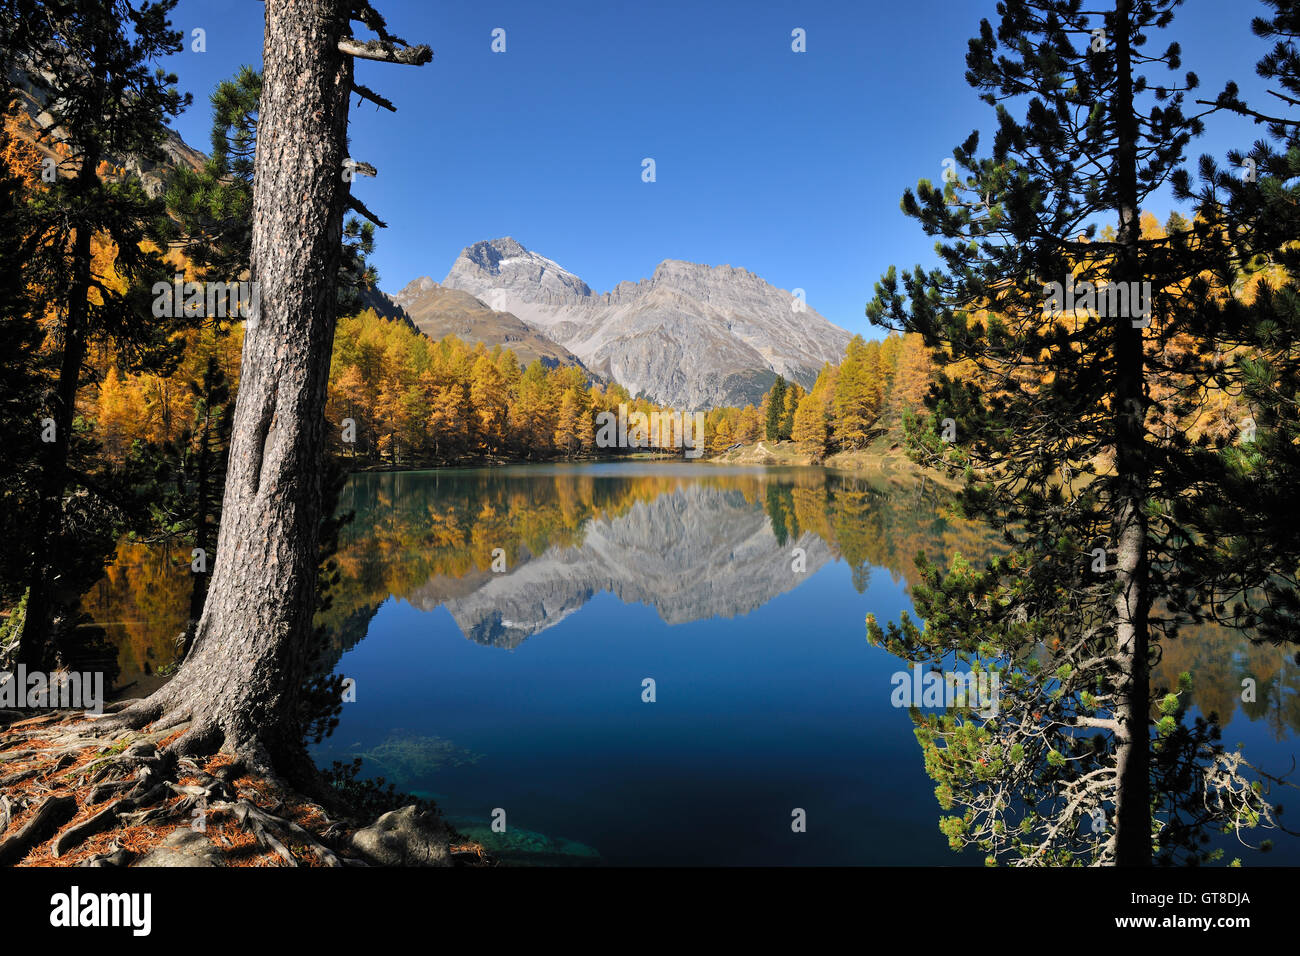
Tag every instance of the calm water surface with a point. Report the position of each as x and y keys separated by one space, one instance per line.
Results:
x=522 y=689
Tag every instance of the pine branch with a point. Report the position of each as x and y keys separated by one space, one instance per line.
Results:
x=1243 y=110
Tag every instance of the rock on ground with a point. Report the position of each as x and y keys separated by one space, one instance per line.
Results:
x=183 y=847
x=405 y=837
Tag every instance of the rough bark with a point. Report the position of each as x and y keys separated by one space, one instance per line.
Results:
x=240 y=683
x=1132 y=604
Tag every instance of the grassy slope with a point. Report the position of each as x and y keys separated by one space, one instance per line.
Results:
x=884 y=456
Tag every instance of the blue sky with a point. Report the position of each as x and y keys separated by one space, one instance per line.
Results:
x=788 y=164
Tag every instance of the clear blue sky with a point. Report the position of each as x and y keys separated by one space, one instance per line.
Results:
x=788 y=164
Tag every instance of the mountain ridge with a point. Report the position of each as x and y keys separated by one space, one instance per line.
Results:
x=690 y=335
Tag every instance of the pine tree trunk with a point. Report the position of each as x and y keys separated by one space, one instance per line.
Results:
x=1133 y=799
x=241 y=682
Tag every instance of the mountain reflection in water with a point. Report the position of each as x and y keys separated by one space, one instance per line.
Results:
x=741 y=592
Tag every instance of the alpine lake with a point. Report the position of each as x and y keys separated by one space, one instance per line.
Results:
x=655 y=662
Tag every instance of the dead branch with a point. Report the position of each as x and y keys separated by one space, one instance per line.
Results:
x=358 y=206
x=386 y=52
x=369 y=94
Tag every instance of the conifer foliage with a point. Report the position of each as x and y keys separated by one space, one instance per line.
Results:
x=88 y=249
x=1054 y=318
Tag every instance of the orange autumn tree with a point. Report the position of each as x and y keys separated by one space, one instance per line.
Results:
x=24 y=374
x=411 y=400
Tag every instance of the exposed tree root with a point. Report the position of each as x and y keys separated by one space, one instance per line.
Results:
x=53 y=813
x=105 y=819
x=106 y=791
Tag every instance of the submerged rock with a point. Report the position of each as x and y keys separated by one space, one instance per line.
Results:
x=408 y=760
x=520 y=847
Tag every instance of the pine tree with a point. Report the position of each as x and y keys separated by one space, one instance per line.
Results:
x=22 y=373
x=211 y=209
x=890 y=350
x=1248 y=577
x=722 y=438
x=247 y=683
x=449 y=423
x=203 y=452
x=119 y=414
x=491 y=406
x=750 y=426
x=93 y=66
x=794 y=394
x=1051 y=432
x=349 y=394
x=774 y=408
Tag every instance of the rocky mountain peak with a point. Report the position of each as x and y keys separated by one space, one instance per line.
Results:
x=488 y=254
x=690 y=336
x=505 y=262
x=414 y=289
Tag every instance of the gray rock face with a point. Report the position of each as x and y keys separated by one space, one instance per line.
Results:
x=404 y=837
x=507 y=258
x=691 y=336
